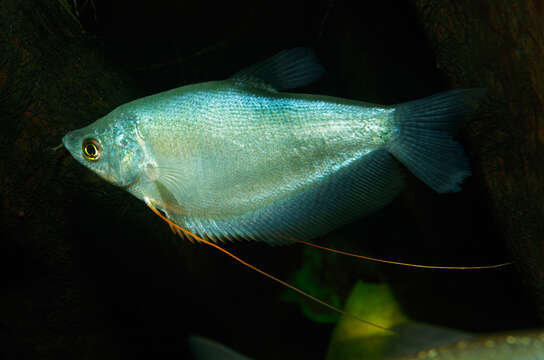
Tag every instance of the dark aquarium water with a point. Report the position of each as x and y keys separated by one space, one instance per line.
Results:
x=88 y=272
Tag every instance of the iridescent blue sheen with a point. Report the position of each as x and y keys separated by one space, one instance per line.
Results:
x=237 y=158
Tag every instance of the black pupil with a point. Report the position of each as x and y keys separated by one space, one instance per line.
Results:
x=91 y=150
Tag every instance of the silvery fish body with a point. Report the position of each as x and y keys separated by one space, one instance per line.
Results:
x=410 y=340
x=520 y=345
x=238 y=158
x=441 y=344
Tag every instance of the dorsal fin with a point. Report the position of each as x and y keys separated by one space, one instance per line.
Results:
x=287 y=69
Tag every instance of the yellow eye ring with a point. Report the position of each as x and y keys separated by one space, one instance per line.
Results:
x=91 y=149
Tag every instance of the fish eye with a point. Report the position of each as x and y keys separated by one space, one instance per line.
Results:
x=91 y=149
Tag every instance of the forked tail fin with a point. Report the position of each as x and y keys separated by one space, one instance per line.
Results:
x=423 y=139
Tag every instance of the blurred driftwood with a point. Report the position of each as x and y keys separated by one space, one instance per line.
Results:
x=51 y=81
x=500 y=45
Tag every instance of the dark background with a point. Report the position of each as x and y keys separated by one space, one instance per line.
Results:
x=87 y=272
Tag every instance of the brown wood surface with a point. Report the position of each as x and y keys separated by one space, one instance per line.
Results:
x=499 y=45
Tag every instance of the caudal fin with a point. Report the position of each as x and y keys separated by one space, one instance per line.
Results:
x=424 y=142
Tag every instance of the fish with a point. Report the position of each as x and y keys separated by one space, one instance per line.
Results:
x=438 y=344
x=412 y=340
x=241 y=158
x=417 y=342
x=427 y=342
x=514 y=345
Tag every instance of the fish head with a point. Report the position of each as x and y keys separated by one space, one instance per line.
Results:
x=109 y=147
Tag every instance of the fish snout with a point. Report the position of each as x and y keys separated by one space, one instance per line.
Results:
x=71 y=142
